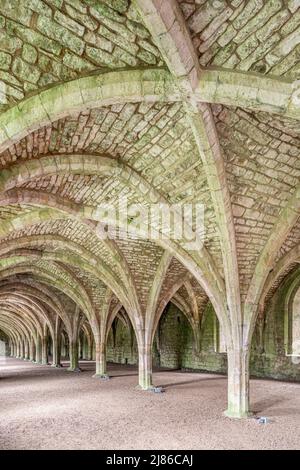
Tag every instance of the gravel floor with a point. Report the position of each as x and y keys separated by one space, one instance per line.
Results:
x=46 y=408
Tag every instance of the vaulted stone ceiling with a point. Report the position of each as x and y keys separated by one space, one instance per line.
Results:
x=256 y=35
x=43 y=43
x=153 y=101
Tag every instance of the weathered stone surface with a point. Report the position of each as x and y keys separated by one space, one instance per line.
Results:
x=244 y=27
x=261 y=173
x=24 y=71
x=104 y=102
x=5 y=60
x=67 y=39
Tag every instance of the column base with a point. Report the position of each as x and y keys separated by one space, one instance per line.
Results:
x=58 y=366
x=101 y=376
x=74 y=369
x=148 y=388
x=238 y=415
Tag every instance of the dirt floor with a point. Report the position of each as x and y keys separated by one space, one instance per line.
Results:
x=46 y=408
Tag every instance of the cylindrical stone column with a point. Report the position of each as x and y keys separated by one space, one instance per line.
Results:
x=22 y=349
x=101 y=372
x=11 y=348
x=238 y=384
x=89 y=352
x=32 y=350
x=73 y=354
x=27 y=348
x=56 y=346
x=18 y=349
x=38 y=352
x=145 y=367
x=44 y=350
x=14 y=349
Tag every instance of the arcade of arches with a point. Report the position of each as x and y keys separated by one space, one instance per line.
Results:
x=151 y=101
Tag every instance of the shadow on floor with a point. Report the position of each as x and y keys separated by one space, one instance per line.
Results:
x=283 y=412
x=187 y=382
x=265 y=407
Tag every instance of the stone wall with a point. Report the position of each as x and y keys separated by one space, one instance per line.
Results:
x=269 y=359
x=122 y=349
x=174 y=344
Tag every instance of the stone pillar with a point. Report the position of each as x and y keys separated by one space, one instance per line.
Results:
x=38 y=352
x=44 y=350
x=145 y=367
x=87 y=349
x=27 y=348
x=197 y=338
x=32 y=350
x=22 y=351
x=56 y=346
x=18 y=349
x=73 y=353
x=101 y=372
x=238 y=384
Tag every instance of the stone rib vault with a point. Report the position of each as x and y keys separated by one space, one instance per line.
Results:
x=150 y=101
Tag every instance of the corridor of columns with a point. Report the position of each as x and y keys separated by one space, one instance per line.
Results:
x=149 y=222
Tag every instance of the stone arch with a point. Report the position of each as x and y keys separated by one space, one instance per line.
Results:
x=200 y=264
x=82 y=94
